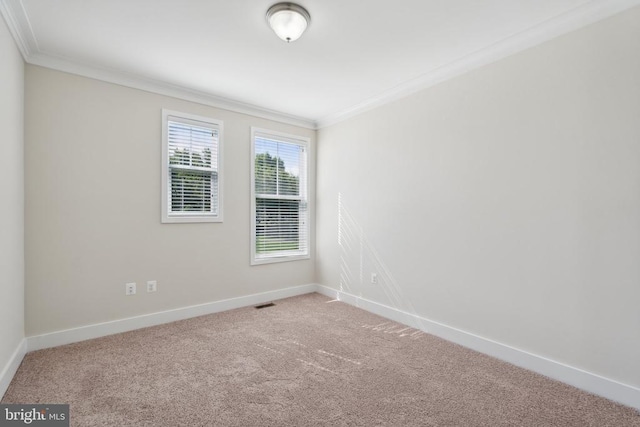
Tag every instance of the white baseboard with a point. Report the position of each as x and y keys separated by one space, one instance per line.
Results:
x=605 y=387
x=10 y=369
x=592 y=383
x=97 y=330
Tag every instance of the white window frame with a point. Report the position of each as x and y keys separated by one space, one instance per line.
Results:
x=304 y=190
x=180 y=217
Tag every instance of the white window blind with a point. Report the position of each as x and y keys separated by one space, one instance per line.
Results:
x=280 y=205
x=192 y=185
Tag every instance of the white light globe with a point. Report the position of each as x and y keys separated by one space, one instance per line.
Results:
x=288 y=21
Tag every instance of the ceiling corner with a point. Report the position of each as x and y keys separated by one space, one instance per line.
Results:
x=16 y=18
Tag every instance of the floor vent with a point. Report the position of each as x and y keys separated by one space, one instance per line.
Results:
x=269 y=304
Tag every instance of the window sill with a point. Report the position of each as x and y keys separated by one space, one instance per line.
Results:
x=190 y=219
x=276 y=259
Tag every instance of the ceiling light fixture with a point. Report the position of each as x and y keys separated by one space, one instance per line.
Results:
x=288 y=20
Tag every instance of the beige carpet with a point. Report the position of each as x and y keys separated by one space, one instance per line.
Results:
x=305 y=361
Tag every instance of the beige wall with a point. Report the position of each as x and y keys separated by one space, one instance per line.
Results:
x=93 y=153
x=12 y=193
x=505 y=202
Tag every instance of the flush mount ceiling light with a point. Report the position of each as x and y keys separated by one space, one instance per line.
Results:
x=288 y=20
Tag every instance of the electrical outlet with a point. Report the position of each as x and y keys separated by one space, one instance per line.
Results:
x=374 y=278
x=130 y=289
x=152 y=286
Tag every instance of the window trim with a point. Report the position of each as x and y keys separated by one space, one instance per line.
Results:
x=186 y=118
x=285 y=137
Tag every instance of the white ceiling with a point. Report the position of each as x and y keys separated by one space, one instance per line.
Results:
x=356 y=54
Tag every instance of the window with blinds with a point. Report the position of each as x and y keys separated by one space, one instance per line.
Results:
x=280 y=222
x=192 y=168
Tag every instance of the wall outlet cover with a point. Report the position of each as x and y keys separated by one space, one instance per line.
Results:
x=130 y=289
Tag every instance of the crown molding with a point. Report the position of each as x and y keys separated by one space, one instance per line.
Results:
x=579 y=17
x=17 y=20
x=18 y=23
x=163 y=88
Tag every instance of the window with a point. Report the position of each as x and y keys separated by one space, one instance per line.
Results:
x=280 y=219
x=191 y=168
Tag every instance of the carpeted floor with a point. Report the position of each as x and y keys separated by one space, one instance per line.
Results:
x=305 y=361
